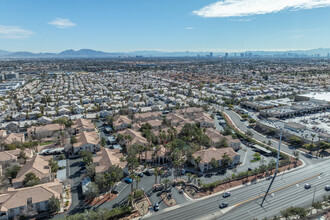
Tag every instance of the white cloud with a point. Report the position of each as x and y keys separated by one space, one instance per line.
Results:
x=62 y=23
x=232 y=8
x=189 y=28
x=14 y=32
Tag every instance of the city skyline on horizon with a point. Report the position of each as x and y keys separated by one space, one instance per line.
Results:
x=126 y=26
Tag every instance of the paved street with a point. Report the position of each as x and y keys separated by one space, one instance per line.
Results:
x=147 y=182
x=245 y=201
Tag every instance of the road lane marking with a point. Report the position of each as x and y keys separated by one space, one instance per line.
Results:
x=277 y=190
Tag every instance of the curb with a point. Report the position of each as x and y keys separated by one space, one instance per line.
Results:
x=303 y=162
x=166 y=202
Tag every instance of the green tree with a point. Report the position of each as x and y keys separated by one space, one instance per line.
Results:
x=214 y=163
x=226 y=160
x=73 y=139
x=54 y=204
x=92 y=191
x=223 y=143
x=310 y=147
x=103 y=141
x=166 y=183
x=53 y=164
x=12 y=172
x=87 y=157
x=295 y=141
x=31 y=180
x=249 y=133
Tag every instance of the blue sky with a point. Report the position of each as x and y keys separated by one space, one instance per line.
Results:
x=167 y=25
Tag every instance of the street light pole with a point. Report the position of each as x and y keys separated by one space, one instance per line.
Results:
x=278 y=158
x=313 y=199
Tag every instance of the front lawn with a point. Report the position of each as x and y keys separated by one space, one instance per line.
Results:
x=47 y=143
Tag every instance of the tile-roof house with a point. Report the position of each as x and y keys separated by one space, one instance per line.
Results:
x=121 y=122
x=45 y=130
x=204 y=120
x=37 y=165
x=14 y=137
x=137 y=138
x=109 y=157
x=83 y=125
x=7 y=158
x=212 y=152
x=87 y=141
x=28 y=200
x=143 y=117
x=216 y=137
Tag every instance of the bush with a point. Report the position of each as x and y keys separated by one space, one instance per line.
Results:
x=114 y=213
x=138 y=194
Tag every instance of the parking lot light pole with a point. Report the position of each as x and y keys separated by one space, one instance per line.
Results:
x=278 y=158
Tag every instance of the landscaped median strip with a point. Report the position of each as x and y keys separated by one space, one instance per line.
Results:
x=277 y=190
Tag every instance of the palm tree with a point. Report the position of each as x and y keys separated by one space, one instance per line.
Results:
x=199 y=181
x=140 y=150
x=313 y=136
x=166 y=182
x=189 y=176
x=137 y=179
x=156 y=174
x=198 y=160
x=132 y=177
x=130 y=198
x=160 y=173
x=195 y=178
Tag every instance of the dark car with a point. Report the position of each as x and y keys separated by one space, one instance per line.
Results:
x=223 y=205
x=307 y=186
x=199 y=174
x=327 y=187
x=115 y=191
x=226 y=194
x=209 y=175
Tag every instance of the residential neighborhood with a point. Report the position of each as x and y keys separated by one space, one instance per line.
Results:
x=136 y=141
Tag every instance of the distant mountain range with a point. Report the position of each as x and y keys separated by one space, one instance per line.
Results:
x=87 y=53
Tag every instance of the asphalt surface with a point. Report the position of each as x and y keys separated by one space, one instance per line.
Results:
x=287 y=190
x=244 y=203
x=241 y=125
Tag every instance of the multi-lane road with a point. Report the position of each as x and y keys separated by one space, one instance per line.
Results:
x=244 y=203
x=287 y=190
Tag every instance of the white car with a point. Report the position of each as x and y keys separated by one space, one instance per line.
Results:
x=156 y=206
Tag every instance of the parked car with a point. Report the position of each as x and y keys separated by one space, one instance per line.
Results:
x=150 y=172
x=156 y=206
x=223 y=205
x=140 y=174
x=159 y=187
x=209 y=175
x=226 y=194
x=115 y=191
x=327 y=187
x=128 y=180
x=183 y=171
x=307 y=186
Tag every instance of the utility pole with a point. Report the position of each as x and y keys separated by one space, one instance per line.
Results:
x=278 y=158
x=313 y=199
